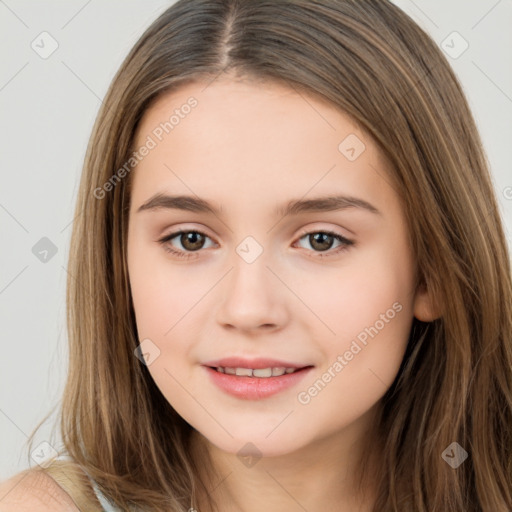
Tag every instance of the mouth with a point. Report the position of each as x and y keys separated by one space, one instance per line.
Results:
x=255 y=383
x=261 y=373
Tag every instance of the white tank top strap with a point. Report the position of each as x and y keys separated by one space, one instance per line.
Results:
x=104 y=502
x=107 y=506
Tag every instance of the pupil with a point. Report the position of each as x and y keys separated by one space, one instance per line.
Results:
x=321 y=236
x=190 y=240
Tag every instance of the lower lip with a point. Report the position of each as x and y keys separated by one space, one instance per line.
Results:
x=255 y=388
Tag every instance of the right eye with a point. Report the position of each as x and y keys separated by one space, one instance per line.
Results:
x=192 y=238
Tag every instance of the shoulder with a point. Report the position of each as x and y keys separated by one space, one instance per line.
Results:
x=34 y=491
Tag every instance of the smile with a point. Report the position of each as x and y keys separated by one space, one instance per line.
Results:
x=255 y=384
x=257 y=372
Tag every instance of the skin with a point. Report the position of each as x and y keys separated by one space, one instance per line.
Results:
x=248 y=148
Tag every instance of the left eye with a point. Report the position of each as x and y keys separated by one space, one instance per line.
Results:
x=321 y=239
x=193 y=241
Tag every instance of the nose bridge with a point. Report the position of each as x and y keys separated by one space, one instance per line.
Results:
x=251 y=296
x=250 y=268
x=250 y=275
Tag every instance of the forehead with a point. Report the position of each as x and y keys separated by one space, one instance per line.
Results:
x=252 y=139
x=259 y=107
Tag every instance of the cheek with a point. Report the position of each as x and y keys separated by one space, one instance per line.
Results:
x=162 y=292
x=371 y=313
x=163 y=300
x=355 y=296
x=167 y=302
x=360 y=362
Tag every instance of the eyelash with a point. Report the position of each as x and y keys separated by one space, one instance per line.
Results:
x=191 y=254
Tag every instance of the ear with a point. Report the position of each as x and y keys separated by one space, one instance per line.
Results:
x=425 y=309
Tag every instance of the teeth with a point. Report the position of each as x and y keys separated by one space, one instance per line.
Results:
x=262 y=372
x=259 y=372
x=242 y=372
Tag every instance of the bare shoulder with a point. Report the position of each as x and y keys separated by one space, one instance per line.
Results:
x=34 y=491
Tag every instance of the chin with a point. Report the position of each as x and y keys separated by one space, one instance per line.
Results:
x=255 y=445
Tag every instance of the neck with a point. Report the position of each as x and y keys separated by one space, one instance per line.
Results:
x=321 y=476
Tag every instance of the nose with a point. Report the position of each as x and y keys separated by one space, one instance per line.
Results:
x=252 y=298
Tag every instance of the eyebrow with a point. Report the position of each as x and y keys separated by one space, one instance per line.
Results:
x=293 y=207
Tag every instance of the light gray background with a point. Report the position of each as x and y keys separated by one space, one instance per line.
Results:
x=47 y=110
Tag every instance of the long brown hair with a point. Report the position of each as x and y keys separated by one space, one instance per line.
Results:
x=370 y=60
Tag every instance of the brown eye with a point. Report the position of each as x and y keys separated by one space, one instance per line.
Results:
x=192 y=240
x=322 y=241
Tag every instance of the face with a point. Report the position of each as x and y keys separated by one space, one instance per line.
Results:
x=326 y=286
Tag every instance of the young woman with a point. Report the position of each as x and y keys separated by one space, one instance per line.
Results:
x=289 y=284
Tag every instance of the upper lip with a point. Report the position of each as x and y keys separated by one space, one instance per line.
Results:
x=261 y=362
